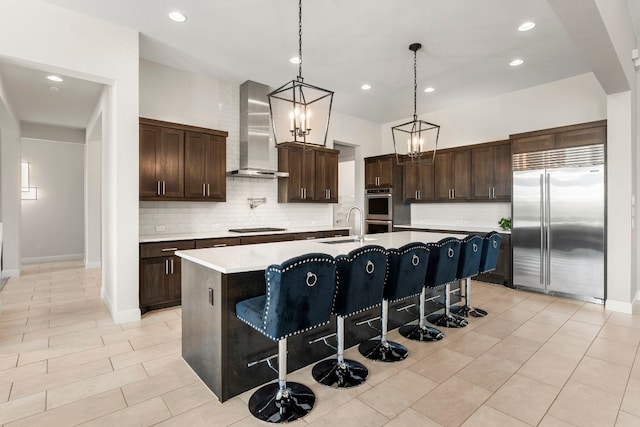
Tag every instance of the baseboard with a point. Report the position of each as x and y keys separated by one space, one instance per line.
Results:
x=53 y=258
x=93 y=264
x=11 y=273
x=122 y=316
x=620 y=306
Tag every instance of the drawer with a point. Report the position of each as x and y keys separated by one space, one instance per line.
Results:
x=160 y=249
x=249 y=240
x=309 y=236
x=336 y=233
x=217 y=243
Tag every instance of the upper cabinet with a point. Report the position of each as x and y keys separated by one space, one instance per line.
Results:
x=181 y=162
x=379 y=171
x=452 y=171
x=418 y=183
x=582 y=134
x=204 y=171
x=491 y=172
x=313 y=174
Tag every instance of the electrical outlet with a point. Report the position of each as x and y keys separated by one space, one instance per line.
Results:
x=161 y=228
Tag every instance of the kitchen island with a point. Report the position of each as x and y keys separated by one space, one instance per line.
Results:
x=218 y=346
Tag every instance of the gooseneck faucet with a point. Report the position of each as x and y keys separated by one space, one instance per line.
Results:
x=361 y=235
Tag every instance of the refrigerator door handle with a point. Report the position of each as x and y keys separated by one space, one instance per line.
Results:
x=542 y=228
x=547 y=217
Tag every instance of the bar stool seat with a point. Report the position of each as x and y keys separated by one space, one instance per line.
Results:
x=298 y=298
x=469 y=265
x=361 y=275
x=407 y=270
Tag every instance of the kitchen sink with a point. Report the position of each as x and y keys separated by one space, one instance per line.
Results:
x=347 y=240
x=255 y=229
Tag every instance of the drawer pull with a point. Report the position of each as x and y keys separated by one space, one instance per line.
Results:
x=220 y=245
x=169 y=249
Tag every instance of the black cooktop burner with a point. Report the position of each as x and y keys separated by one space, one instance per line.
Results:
x=255 y=230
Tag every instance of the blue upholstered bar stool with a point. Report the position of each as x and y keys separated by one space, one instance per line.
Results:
x=489 y=257
x=468 y=266
x=361 y=276
x=442 y=270
x=407 y=270
x=299 y=295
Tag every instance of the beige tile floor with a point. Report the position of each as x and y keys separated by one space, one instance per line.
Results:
x=535 y=360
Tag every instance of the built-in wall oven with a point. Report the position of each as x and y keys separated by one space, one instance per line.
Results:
x=379 y=204
x=378 y=210
x=373 y=226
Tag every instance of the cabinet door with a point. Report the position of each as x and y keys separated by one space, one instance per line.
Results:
x=196 y=163
x=426 y=187
x=171 y=162
x=153 y=286
x=502 y=173
x=173 y=279
x=326 y=176
x=461 y=174
x=148 y=159
x=371 y=172
x=385 y=168
x=217 y=169
x=482 y=165
x=301 y=175
x=443 y=184
x=410 y=182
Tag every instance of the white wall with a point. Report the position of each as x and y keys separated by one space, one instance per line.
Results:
x=93 y=189
x=53 y=225
x=41 y=35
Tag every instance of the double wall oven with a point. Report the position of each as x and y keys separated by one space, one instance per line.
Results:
x=378 y=210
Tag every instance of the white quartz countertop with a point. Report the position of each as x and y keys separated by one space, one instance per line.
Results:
x=467 y=228
x=224 y=233
x=238 y=259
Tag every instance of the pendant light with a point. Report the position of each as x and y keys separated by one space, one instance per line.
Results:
x=415 y=141
x=300 y=112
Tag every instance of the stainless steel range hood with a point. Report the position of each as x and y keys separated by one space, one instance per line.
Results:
x=254 y=133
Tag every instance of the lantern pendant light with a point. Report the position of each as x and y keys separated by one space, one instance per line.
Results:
x=300 y=112
x=415 y=141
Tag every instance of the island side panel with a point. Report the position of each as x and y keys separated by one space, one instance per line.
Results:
x=201 y=324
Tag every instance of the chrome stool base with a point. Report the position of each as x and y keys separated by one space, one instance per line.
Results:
x=416 y=333
x=330 y=373
x=270 y=404
x=467 y=311
x=447 y=321
x=376 y=350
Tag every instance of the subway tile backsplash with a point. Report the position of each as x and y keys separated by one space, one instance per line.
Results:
x=188 y=217
x=472 y=214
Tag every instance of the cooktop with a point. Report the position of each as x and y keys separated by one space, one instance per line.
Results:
x=255 y=230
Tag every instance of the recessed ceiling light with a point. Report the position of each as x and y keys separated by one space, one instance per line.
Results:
x=54 y=78
x=526 y=26
x=429 y=89
x=178 y=16
x=295 y=60
x=365 y=86
x=516 y=62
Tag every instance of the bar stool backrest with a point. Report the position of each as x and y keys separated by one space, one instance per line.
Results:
x=299 y=294
x=407 y=270
x=443 y=262
x=470 y=255
x=361 y=276
x=490 y=250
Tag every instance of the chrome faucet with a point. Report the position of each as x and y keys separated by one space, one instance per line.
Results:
x=361 y=235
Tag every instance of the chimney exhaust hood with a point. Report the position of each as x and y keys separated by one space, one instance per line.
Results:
x=254 y=133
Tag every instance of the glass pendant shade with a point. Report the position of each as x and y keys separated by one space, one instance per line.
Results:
x=300 y=112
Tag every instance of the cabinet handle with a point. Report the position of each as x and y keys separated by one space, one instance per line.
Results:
x=453 y=191
x=220 y=245
x=164 y=188
x=169 y=249
x=494 y=192
x=419 y=194
x=302 y=193
x=166 y=267
x=208 y=189
x=203 y=192
x=157 y=188
x=416 y=194
x=171 y=266
x=489 y=192
x=310 y=237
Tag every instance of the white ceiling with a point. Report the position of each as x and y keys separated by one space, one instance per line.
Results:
x=467 y=47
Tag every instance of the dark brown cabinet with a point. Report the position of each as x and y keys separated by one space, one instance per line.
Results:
x=181 y=162
x=452 y=171
x=205 y=167
x=161 y=162
x=418 y=183
x=160 y=270
x=378 y=171
x=313 y=174
x=491 y=172
x=578 y=135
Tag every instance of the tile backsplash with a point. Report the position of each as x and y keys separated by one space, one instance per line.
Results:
x=472 y=214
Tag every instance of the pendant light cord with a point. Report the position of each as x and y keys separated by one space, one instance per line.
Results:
x=300 y=40
x=415 y=84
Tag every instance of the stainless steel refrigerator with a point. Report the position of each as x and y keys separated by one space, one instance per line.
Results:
x=558 y=222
